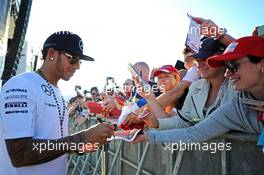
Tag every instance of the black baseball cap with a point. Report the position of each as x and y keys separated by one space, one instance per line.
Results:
x=68 y=42
x=209 y=47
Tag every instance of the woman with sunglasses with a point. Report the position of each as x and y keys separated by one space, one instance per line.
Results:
x=244 y=61
x=205 y=95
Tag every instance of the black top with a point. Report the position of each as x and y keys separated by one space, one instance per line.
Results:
x=180 y=101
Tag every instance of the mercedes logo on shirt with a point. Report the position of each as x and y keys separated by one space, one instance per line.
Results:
x=46 y=89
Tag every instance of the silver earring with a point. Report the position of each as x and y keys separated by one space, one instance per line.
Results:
x=51 y=58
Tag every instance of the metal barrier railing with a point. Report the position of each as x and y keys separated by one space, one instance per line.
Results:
x=78 y=164
x=125 y=158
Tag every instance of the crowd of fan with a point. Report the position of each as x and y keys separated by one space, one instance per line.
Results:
x=201 y=95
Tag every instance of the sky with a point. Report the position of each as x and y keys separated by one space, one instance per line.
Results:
x=116 y=32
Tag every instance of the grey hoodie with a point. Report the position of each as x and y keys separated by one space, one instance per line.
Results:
x=233 y=115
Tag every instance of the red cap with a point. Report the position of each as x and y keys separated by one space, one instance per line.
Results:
x=249 y=45
x=166 y=69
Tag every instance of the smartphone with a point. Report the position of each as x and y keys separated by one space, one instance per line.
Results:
x=134 y=72
x=260 y=30
x=110 y=85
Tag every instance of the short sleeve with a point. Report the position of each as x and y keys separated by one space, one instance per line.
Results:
x=18 y=108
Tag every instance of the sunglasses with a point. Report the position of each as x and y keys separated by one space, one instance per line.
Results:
x=73 y=59
x=233 y=66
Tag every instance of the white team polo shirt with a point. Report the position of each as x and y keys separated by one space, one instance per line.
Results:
x=28 y=109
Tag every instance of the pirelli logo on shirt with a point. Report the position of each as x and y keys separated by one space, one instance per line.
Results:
x=16 y=105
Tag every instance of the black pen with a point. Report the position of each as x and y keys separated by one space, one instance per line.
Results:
x=101 y=121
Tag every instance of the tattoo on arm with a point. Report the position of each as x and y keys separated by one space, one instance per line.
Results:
x=28 y=151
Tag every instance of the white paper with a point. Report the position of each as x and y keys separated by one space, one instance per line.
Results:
x=127 y=109
x=126 y=135
x=193 y=36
